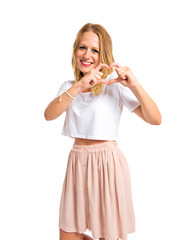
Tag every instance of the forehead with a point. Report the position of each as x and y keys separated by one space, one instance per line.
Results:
x=90 y=39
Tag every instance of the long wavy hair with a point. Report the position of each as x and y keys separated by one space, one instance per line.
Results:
x=105 y=53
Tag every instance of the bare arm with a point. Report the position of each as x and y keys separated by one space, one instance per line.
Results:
x=56 y=108
x=148 y=110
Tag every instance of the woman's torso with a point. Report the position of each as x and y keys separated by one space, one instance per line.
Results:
x=83 y=141
x=96 y=117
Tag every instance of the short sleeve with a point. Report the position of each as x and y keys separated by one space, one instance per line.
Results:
x=128 y=98
x=65 y=86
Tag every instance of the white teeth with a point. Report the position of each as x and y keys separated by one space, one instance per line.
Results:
x=86 y=62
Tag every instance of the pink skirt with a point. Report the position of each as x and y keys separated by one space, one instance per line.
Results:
x=96 y=193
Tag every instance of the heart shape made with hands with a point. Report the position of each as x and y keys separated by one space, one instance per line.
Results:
x=115 y=80
x=114 y=66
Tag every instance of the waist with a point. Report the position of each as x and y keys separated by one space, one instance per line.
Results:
x=83 y=141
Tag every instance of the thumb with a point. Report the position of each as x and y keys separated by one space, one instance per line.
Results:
x=102 y=81
x=113 y=81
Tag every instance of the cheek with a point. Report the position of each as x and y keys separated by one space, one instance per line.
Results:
x=78 y=55
x=96 y=59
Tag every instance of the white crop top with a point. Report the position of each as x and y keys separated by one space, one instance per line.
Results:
x=97 y=117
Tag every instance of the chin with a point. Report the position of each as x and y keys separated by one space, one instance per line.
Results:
x=85 y=71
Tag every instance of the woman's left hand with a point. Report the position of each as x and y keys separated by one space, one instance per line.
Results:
x=125 y=76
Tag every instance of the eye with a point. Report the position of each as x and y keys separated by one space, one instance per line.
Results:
x=95 y=50
x=82 y=47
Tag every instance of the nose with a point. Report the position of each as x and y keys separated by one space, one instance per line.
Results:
x=87 y=54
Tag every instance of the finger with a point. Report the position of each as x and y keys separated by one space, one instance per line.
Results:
x=98 y=74
x=113 y=81
x=101 y=65
x=114 y=64
x=121 y=71
x=117 y=70
x=102 y=81
x=93 y=81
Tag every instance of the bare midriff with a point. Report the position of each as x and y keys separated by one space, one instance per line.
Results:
x=83 y=141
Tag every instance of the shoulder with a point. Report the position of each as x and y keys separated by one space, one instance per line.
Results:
x=65 y=86
x=69 y=83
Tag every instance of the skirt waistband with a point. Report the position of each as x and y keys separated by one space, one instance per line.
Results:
x=94 y=147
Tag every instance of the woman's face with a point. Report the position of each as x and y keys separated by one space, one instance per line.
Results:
x=87 y=56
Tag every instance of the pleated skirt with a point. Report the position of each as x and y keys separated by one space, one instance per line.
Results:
x=96 y=193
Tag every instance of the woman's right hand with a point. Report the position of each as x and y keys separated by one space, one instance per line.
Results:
x=93 y=77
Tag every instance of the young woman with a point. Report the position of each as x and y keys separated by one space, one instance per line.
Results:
x=96 y=192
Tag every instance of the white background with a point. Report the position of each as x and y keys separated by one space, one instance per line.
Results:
x=35 y=59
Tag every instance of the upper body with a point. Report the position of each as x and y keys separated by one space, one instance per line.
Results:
x=97 y=117
x=98 y=102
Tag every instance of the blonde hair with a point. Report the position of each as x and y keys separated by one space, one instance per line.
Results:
x=105 y=53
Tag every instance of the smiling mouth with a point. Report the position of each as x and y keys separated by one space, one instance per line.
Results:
x=86 y=64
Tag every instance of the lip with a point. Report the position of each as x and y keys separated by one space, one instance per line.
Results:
x=85 y=64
